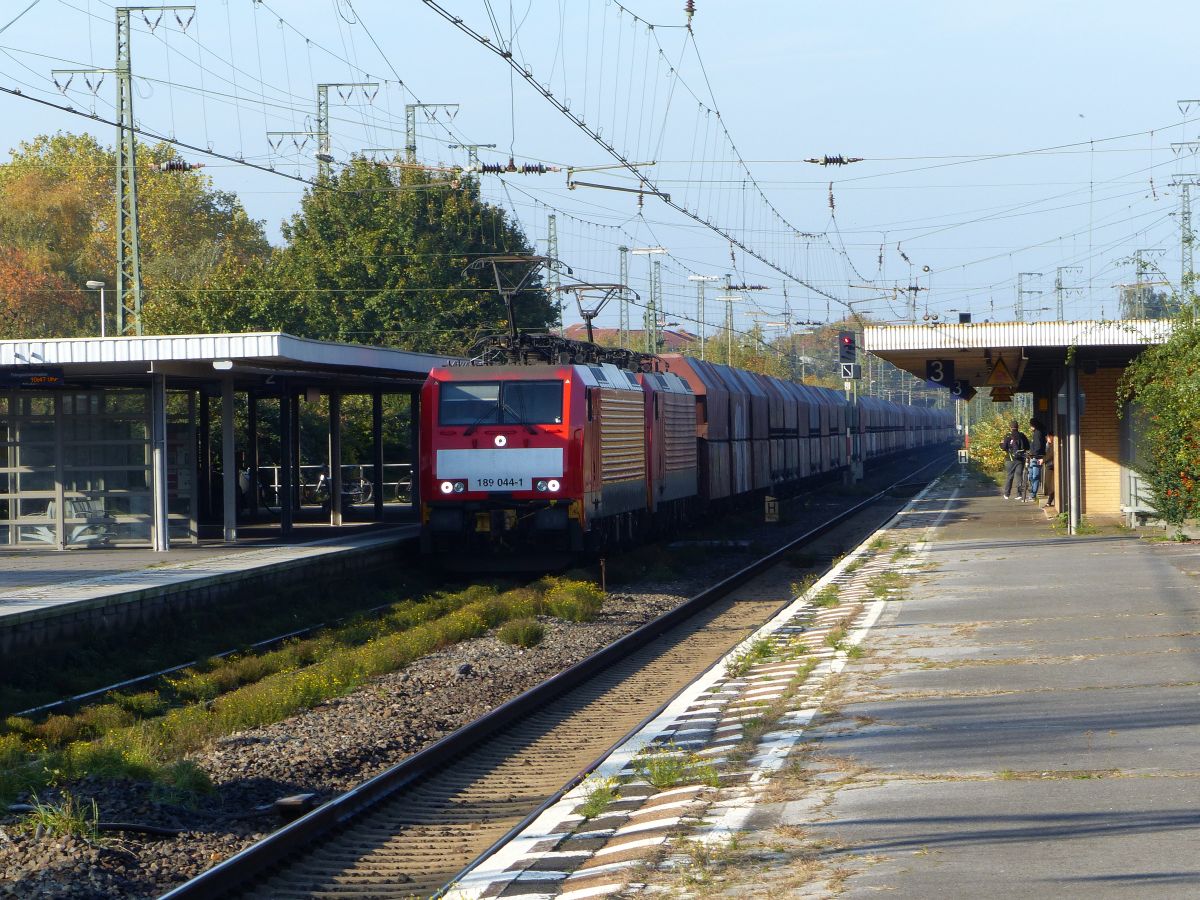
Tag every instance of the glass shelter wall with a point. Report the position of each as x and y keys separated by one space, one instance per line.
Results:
x=75 y=468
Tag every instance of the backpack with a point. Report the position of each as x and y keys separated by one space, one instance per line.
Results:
x=1016 y=445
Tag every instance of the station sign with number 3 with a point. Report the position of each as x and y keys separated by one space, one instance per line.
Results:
x=940 y=372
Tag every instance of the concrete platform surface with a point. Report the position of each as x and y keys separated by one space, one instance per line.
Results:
x=45 y=597
x=1025 y=724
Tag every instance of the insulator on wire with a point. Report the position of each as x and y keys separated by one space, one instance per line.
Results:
x=837 y=160
x=511 y=167
x=178 y=165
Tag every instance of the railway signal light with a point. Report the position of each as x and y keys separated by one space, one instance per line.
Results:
x=847 y=352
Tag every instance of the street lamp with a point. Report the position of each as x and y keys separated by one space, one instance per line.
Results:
x=98 y=286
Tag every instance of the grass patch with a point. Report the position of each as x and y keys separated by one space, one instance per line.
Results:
x=704 y=862
x=836 y=636
x=1062 y=525
x=755 y=727
x=600 y=795
x=856 y=651
x=67 y=818
x=902 y=552
x=827 y=596
x=107 y=658
x=803 y=586
x=669 y=766
x=522 y=632
x=885 y=584
x=144 y=736
x=741 y=662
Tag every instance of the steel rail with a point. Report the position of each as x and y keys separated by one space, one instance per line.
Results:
x=239 y=869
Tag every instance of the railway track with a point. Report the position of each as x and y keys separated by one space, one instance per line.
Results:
x=411 y=830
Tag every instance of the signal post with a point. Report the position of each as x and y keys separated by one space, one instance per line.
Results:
x=851 y=373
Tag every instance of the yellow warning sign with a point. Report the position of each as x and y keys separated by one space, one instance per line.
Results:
x=1002 y=395
x=1000 y=376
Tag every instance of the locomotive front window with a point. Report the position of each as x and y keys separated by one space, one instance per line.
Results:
x=501 y=403
x=469 y=404
x=532 y=402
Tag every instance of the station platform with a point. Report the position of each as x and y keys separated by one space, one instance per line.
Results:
x=1023 y=724
x=46 y=594
x=996 y=709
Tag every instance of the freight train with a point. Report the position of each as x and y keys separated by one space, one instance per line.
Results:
x=580 y=454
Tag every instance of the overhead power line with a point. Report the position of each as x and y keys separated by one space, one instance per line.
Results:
x=647 y=184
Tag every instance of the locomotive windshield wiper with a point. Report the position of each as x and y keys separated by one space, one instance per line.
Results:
x=477 y=423
x=516 y=417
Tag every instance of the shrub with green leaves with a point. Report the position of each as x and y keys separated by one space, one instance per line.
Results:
x=575 y=601
x=986 y=435
x=1161 y=388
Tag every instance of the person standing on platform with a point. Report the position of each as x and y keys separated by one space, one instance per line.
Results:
x=1048 y=472
x=1016 y=445
x=1037 y=456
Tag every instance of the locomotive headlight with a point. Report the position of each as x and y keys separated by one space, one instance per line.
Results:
x=541 y=485
x=447 y=487
x=552 y=485
x=459 y=487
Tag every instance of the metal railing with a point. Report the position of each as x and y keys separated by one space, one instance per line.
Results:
x=357 y=481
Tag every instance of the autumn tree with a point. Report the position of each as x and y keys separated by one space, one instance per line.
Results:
x=37 y=303
x=58 y=209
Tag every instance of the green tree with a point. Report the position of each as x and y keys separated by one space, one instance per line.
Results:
x=1164 y=384
x=377 y=255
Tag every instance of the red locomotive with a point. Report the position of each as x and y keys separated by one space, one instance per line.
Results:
x=566 y=457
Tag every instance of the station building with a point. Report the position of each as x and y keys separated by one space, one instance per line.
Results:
x=1071 y=369
x=107 y=441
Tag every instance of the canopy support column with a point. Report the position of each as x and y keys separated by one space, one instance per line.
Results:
x=377 y=452
x=1074 y=467
x=158 y=460
x=252 y=454
x=335 y=457
x=285 y=461
x=229 y=472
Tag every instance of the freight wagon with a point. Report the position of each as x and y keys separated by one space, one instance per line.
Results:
x=542 y=461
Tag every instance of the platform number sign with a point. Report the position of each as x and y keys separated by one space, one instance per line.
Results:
x=940 y=372
x=962 y=390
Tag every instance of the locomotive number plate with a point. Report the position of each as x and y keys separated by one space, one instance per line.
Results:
x=500 y=483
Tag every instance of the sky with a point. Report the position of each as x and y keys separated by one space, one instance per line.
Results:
x=1010 y=153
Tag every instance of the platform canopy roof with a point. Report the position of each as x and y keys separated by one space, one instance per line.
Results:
x=1030 y=351
x=255 y=358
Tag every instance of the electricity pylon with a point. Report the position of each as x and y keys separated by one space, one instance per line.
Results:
x=129 y=267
